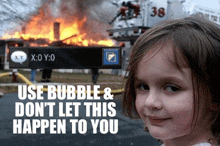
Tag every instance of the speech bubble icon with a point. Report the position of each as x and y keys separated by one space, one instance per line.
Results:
x=18 y=57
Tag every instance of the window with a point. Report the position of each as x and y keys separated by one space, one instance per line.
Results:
x=207 y=16
x=200 y=14
x=214 y=18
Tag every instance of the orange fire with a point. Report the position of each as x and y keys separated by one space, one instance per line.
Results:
x=41 y=27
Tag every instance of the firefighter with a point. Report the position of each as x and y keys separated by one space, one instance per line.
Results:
x=46 y=75
x=33 y=75
x=1 y=64
x=95 y=75
x=127 y=11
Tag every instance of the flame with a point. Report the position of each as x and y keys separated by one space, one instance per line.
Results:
x=41 y=27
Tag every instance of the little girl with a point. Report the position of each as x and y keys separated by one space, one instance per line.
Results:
x=174 y=82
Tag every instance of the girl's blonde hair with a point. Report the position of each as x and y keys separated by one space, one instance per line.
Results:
x=194 y=40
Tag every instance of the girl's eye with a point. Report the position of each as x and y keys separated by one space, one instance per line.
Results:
x=172 y=88
x=142 y=87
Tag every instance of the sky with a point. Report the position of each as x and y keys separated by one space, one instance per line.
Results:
x=211 y=4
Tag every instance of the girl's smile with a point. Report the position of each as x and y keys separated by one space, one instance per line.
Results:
x=154 y=120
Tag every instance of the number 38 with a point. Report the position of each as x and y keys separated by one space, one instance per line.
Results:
x=160 y=12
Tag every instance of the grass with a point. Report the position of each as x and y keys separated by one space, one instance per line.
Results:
x=106 y=80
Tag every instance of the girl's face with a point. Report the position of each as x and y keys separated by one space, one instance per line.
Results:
x=164 y=96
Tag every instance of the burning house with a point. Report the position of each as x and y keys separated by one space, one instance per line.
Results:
x=62 y=23
x=66 y=21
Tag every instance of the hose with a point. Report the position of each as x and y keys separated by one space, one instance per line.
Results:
x=117 y=91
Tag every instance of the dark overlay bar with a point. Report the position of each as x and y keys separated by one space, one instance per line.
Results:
x=65 y=57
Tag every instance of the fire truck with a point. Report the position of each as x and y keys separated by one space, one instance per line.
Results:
x=135 y=17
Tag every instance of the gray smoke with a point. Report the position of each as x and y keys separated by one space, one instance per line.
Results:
x=97 y=12
x=19 y=13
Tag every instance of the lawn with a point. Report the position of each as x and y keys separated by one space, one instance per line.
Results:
x=105 y=80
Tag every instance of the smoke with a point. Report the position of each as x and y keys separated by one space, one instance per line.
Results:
x=93 y=11
x=39 y=15
x=95 y=26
